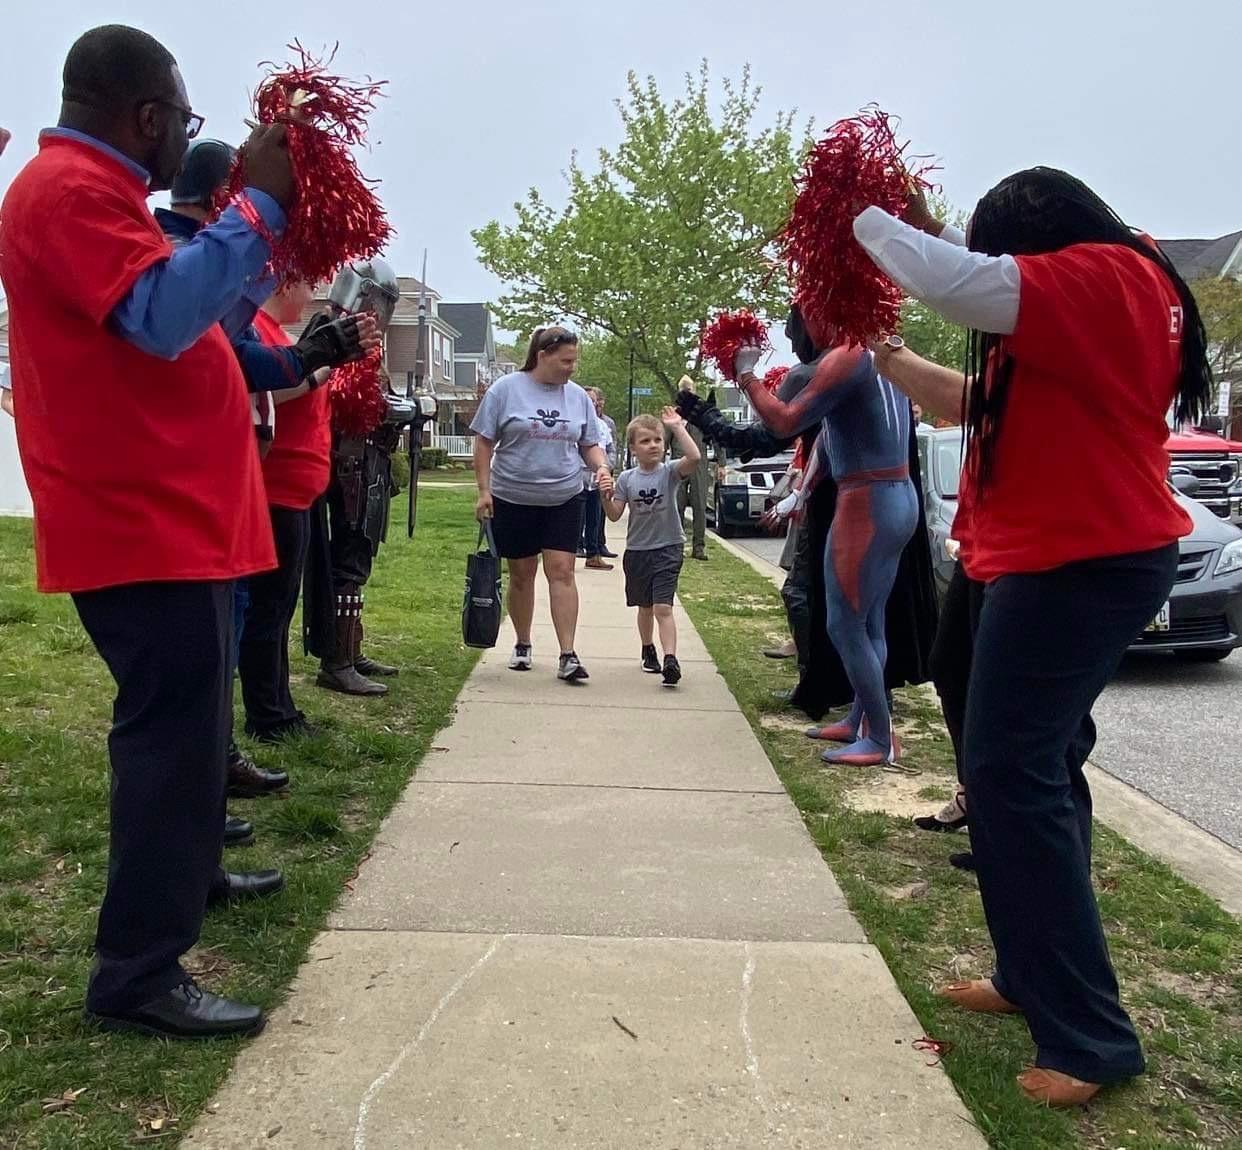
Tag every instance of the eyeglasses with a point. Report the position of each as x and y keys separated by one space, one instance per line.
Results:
x=557 y=339
x=193 y=121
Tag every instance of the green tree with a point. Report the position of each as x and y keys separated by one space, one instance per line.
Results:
x=1220 y=305
x=677 y=222
x=925 y=331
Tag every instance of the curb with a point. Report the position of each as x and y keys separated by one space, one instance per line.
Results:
x=1196 y=855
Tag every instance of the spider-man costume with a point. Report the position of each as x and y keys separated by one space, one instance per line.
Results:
x=867 y=425
x=911 y=615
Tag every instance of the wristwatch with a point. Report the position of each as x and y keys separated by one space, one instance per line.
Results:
x=893 y=343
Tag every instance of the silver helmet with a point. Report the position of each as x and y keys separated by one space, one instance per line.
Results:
x=368 y=285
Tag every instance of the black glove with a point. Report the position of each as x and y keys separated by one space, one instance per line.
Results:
x=691 y=407
x=328 y=343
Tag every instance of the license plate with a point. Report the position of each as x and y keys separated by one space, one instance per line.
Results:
x=1160 y=622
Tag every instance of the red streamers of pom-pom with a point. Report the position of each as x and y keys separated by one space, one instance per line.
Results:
x=774 y=377
x=858 y=163
x=728 y=332
x=336 y=216
x=357 y=396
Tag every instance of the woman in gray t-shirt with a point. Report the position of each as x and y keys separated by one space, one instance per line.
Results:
x=533 y=432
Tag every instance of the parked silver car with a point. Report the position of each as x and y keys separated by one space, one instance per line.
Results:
x=1202 y=621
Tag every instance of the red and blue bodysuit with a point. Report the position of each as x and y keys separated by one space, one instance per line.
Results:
x=866 y=430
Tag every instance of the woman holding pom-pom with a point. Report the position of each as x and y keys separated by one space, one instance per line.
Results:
x=1081 y=325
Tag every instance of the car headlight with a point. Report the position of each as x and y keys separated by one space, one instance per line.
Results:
x=733 y=478
x=1230 y=558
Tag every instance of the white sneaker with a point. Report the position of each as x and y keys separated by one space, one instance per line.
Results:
x=571 y=669
x=520 y=659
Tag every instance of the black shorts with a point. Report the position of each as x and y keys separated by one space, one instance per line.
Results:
x=651 y=576
x=523 y=530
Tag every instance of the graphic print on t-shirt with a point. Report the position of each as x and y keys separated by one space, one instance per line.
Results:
x=649 y=498
x=547 y=423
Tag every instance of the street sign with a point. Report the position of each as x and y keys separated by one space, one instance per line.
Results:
x=643 y=391
x=1222 y=405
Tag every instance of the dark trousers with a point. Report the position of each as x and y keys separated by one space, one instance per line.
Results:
x=353 y=554
x=951 y=654
x=797 y=590
x=169 y=649
x=263 y=663
x=1045 y=647
x=592 y=524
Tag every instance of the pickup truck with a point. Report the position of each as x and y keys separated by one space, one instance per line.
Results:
x=1208 y=469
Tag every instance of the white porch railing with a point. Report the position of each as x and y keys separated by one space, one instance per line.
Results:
x=457 y=446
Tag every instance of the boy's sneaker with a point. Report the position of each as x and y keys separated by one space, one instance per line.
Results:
x=672 y=671
x=651 y=661
x=571 y=669
x=520 y=659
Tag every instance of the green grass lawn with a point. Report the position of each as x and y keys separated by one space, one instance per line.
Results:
x=63 y=1084
x=1179 y=957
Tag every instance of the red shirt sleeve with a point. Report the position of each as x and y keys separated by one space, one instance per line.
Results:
x=96 y=245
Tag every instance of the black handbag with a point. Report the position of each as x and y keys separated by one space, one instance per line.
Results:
x=482 y=606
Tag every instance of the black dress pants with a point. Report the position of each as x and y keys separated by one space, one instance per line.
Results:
x=263 y=655
x=169 y=649
x=951 y=654
x=1045 y=646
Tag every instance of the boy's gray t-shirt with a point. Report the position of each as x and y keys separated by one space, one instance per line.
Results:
x=537 y=429
x=651 y=497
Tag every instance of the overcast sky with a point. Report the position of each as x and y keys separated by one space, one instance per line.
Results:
x=486 y=99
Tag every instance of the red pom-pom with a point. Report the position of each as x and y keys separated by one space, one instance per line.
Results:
x=336 y=216
x=774 y=377
x=357 y=396
x=858 y=163
x=727 y=333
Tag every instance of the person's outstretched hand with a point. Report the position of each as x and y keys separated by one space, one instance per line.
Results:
x=672 y=418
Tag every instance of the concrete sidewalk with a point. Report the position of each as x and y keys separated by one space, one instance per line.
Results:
x=594 y=919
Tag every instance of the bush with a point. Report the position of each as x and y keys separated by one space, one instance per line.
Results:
x=400 y=470
x=434 y=457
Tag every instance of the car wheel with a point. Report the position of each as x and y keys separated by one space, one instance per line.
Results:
x=1210 y=655
x=723 y=529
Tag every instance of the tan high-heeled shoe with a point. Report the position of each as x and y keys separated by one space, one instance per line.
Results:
x=1052 y=1088
x=979 y=996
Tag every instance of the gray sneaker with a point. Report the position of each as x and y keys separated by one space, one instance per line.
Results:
x=520 y=659
x=571 y=669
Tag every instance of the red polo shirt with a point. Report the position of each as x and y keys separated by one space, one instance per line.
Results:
x=140 y=469
x=1079 y=465
x=296 y=469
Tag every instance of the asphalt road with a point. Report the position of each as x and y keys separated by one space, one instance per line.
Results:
x=1169 y=729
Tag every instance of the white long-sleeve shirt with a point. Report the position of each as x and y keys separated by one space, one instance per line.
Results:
x=968 y=288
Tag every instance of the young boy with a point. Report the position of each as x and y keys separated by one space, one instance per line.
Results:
x=654 y=537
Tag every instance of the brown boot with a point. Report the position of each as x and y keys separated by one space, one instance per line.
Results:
x=367 y=666
x=338 y=673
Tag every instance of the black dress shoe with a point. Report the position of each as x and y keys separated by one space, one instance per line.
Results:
x=604 y=553
x=963 y=860
x=186 y=1012
x=366 y=667
x=238 y=886
x=248 y=780
x=297 y=728
x=237 y=832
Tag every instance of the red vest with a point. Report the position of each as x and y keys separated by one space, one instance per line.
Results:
x=296 y=469
x=140 y=469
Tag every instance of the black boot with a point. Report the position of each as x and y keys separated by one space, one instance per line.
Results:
x=338 y=672
x=237 y=832
x=367 y=666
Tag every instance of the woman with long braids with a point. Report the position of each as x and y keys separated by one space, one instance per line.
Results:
x=1081 y=333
